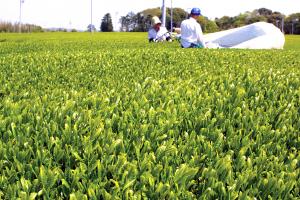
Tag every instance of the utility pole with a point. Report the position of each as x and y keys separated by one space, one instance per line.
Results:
x=164 y=13
x=115 y=24
x=70 y=25
x=188 y=11
x=20 y=16
x=277 y=22
x=293 y=25
x=91 y=26
x=282 y=25
x=171 y=15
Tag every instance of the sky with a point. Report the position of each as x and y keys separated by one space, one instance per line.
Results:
x=77 y=13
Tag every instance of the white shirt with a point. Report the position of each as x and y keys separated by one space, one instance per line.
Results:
x=161 y=35
x=191 y=33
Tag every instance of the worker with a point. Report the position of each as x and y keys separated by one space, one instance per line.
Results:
x=157 y=33
x=191 y=32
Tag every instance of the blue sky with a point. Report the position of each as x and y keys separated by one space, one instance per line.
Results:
x=76 y=13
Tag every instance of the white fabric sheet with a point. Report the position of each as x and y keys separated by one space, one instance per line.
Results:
x=260 y=35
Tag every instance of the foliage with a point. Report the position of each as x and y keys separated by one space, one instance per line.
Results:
x=128 y=22
x=8 y=27
x=207 y=25
x=292 y=24
x=178 y=16
x=91 y=28
x=106 y=23
x=141 y=21
x=246 y=18
x=108 y=116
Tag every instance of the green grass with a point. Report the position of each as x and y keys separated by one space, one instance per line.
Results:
x=292 y=42
x=136 y=39
x=110 y=116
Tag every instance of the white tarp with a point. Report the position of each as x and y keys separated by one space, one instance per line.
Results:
x=260 y=35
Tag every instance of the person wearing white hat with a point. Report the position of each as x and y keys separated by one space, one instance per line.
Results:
x=157 y=33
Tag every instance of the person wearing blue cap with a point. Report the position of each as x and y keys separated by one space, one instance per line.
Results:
x=191 y=32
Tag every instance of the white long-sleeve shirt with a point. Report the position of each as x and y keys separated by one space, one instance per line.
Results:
x=161 y=35
x=191 y=33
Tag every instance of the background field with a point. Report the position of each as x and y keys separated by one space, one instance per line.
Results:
x=135 y=40
x=292 y=42
x=110 y=116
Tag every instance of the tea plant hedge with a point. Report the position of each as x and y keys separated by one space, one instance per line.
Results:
x=116 y=118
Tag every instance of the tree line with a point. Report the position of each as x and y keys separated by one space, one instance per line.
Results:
x=289 y=24
x=141 y=21
x=9 y=27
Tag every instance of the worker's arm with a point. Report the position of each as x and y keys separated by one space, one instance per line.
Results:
x=168 y=37
x=177 y=30
x=200 y=37
x=151 y=35
x=164 y=34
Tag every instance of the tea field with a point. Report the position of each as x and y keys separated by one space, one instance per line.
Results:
x=110 y=116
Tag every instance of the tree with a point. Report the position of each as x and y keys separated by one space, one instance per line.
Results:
x=264 y=12
x=292 y=24
x=225 y=22
x=127 y=22
x=253 y=19
x=91 y=28
x=106 y=24
x=240 y=20
x=258 y=15
x=143 y=18
x=14 y=27
x=207 y=25
x=178 y=16
x=211 y=27
x=255 y=16
x=141 y=21
x=276 y=18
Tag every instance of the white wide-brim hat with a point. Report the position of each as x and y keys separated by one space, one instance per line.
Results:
x=155 y=20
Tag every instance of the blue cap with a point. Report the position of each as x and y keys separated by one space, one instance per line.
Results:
x=196 y=11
